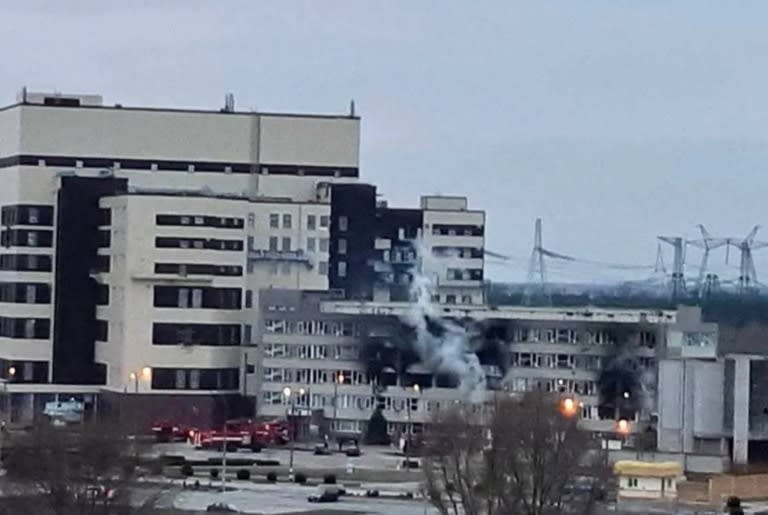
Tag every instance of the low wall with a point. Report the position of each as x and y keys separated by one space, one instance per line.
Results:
x=747 y=487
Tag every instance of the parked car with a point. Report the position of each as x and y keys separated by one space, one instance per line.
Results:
x=326 y=493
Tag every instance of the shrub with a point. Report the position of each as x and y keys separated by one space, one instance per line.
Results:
x=376 y=433
x=187 y=470
x=214 y=473
x=272 y=477
x=243 y=474
x=300 y=478
x=329 y=479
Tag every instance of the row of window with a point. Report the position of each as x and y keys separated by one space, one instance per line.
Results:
x=26 y=262
x=22 y=214
x=348 y=352
x=196 y=334
x=598 y=337
x=457 y=230
x=25 y=293
x=197 y=298
x=460 y=252
x=28 y=328
x=195 y=378
x=287 y=268
x=355 y=401
x=16 y=371
x=309 y=327
x=315 y=376
x=26 y=238
x=198 y=243
x=567 y=361
x=201 y=221
x=198 y=269
x=464 y=274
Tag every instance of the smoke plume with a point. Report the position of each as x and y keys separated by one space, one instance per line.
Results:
x=443 y=345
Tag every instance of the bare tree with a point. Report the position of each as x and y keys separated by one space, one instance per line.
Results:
x=75 y=470
x=528 y=457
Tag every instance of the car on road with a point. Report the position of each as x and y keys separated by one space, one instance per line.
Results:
x=326 y=493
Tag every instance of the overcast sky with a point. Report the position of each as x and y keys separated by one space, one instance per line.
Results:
x=614 y=121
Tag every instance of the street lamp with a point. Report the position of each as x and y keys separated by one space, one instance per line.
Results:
x=337 y=381
x=145 y=373
x=289 y=411
x=409 y=430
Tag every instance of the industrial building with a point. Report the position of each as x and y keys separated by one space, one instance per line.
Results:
x=135 y=242
x=197 y=262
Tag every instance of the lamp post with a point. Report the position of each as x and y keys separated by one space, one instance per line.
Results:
x=7 y=415
x=337 y=381
x=289 y=412
x=409 y=430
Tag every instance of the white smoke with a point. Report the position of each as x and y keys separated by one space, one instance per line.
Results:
x=449 y=353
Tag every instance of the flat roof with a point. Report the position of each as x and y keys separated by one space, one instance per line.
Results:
x=578 y=314
x=182 y=110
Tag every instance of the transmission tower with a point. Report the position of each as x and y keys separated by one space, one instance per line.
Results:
x=747 y=273
x=706 y=244
x=537 y=273
x=659 y=268
x=677 y=279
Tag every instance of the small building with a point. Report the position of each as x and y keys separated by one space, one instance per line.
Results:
x=647 y=480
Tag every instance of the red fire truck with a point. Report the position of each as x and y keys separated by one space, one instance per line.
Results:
x=167 y=431
x=241 y=434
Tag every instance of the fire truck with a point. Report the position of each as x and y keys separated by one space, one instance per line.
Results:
x=166 y=431
x=241 y=434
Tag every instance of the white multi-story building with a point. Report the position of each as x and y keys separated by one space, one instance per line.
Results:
x=124 y=229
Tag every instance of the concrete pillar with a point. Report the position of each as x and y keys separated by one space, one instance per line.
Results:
x=741 y=380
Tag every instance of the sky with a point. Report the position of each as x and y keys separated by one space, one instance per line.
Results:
x=613 y=121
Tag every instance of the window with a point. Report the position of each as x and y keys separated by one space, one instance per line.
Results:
x=30 y=294
x=251 y=220
x=311 y=222
x=34 y=216
x=342 y=268
x=322 y=268
x=632 y=482
x=342 y=246
x=323 y=244
x=343 y=223
x=450 y=299
x=274 y=221
x=273 y=240
x=248 y=298
x=183 y=296
x=32 y=239
x=311 y=244
x=287 y=222
x=29 y=328
x=324 y=221
x=466 y=299
x=286 y=244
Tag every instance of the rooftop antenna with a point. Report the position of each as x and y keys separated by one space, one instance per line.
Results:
x=706 y=243
x=677 y=280
x=229 y=103
x=352 y=108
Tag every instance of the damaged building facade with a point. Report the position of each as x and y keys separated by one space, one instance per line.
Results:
x=352 y=357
